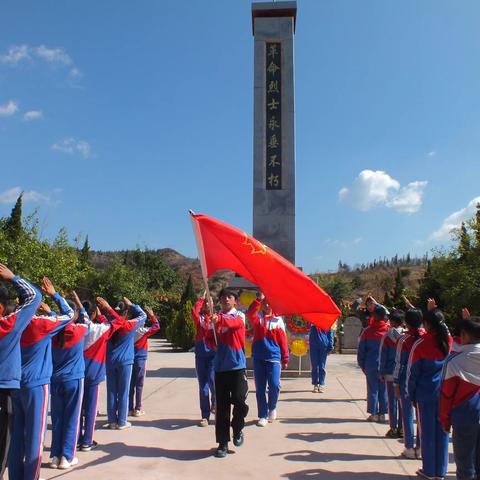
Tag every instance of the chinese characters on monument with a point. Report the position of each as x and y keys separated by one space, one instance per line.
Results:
x=273 y=116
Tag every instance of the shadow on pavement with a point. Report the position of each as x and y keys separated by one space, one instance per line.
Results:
x=308 y=421
x=166 y=423
x=173 y=372
x=319 y=437
x=313 y=456
x=321 y=399
x=327 y=475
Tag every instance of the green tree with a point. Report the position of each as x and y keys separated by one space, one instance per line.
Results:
x=13 y=225
x=188 y=292
x=181 y=331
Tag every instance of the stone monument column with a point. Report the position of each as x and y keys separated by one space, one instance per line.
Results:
x=274 y=126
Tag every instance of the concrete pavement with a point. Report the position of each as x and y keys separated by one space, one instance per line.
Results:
x=316 y=435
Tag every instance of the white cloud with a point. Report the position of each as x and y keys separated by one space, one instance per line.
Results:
x=453 y=221
x=431 y=153
x=9 y=109
x=32 y=115
x=409 y=198
x=11 y=195
x=53 y=55
x=376 y=188
x=15 y=54
x=343 y=243
x=71 y=145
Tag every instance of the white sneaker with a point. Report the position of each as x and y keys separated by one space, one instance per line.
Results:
x=262 y=422
x=74 y=461
x=316 y=389
x=110 y=426
x=381 y=418
x=321 y=388
x=54 y=461
x=272 y=415
x=64 y=464
x=212 y=409
x=203 y=422
x=408 y=453
x=123 y=427
x=139 y=413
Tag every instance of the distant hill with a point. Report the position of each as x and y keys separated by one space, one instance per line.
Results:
x=181 y=264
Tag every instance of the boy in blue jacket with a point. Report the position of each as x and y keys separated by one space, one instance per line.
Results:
x=321 y=345
x=367 y=357
x=12 y=325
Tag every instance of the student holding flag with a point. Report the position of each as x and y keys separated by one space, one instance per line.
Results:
x=230 y=378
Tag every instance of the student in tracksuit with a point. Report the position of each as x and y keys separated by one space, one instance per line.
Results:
x=413 y=322
x=139 y=369
x=460 y=399
x=205 y=349
x=94 y=354
x=12 y=325
x=424 y=372
x=67 y=391
x=231 y=384
x=120 y=356
x=367 y=357
x=320 y=345
x=386 y=366
x=30 y=403
x=270 y=354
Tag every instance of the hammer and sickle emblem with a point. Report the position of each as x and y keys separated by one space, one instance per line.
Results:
x=257 y=247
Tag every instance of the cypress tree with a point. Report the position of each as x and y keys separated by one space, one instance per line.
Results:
x=13 y=226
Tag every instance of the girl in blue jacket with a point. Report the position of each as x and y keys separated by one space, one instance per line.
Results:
x=424 y=374
x=321 y=345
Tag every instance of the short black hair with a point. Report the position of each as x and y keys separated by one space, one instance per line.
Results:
x=414 y=318
x=226 y=292
x=379 y=313
x=88 y=306
x=471 y=326
x=397 y=316
x=121 y=307
x=3 y=295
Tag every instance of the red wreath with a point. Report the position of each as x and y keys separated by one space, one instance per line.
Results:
x=297 y=324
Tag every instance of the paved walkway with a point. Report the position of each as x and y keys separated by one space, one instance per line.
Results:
x=316 y=435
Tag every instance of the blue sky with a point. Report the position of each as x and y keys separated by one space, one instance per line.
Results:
x=116 y=118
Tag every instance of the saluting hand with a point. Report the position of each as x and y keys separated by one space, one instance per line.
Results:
x=6 y=273
x=48 y=287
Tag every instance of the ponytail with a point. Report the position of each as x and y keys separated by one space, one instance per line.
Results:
x=413 y=320
x=439 y=329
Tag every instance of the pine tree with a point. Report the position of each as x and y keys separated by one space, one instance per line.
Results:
x=398 y=288
x=85 y=252
x=464 y=245
x=13 y=226
x=188 y=292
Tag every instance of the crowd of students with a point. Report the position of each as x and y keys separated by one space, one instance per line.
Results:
x=414 y=367
x=63 y=357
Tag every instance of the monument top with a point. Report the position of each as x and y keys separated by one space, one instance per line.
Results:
x=274 y=9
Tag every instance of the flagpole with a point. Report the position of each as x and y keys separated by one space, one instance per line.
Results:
x=203 y=267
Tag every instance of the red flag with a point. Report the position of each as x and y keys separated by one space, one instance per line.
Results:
x=287 y=288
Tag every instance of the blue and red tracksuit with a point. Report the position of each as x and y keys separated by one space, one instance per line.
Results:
x=120 y=357
x=205 y=350
x=30 y=403
x=367 y=358
x=269 y=352
x=139 y=369
x=67 y=389
x=460 y=407
x=404 y=346
x=386 y=367
x=231 y=386
x=94 y=354
x=424 y=373
x=320 y=345
x=11 y=329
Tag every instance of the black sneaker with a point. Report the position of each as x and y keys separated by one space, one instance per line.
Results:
x=400 y=433
x=87 y=448
x=222 y=450
x=238 y=439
